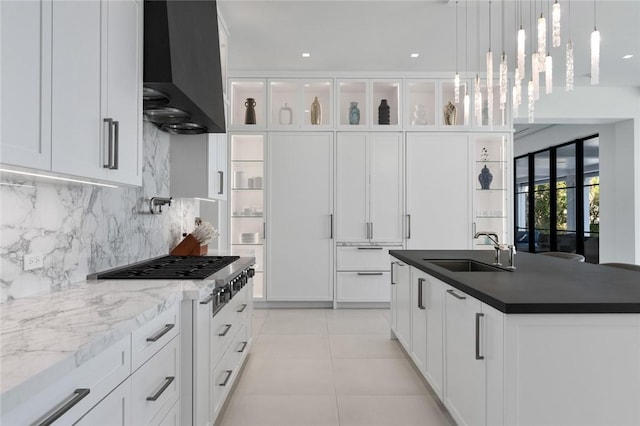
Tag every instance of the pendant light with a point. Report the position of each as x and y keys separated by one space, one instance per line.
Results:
x=531 y=103
x=569 y=58
x=503 y=69
x=466 y=102
x=490 y=76
x=595 y=50
x=521 y=47
x=548 y=68
x=477 y=101
x=542 y=38
x=535 y=64
x=456 y=78
x=555 y=28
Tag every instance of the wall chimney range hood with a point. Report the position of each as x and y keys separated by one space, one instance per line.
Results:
x=182 y=75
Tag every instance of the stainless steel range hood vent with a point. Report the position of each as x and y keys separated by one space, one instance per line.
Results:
x=182 y=66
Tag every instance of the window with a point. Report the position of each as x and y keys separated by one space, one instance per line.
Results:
x=557 y=199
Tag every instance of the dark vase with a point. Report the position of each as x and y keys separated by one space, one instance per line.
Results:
x=384 y=112
x=485 y=177
x=250 y=113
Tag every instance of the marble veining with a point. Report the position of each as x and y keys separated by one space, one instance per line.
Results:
x=82 y=229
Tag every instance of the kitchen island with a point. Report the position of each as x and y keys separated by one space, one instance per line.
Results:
x=552 y=342
x=49 y=338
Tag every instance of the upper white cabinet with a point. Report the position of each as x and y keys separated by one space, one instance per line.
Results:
x=25 y=104
x=365 y=103
x=300 y=227
x=96 y=87
x=301 y=104
x=199 y=166
x=370 y=188
x=75 y=70
x=438 y=194
x=248 y=104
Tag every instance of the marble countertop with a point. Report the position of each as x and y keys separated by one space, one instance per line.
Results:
x=43 y=338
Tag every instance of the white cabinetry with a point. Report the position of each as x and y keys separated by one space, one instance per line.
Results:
x=96 y=85
x=363 y=273
x=369 y=189
x=300 y=228
x=199 y=166
x=113 y=410
x=438 y=192
x=401 y=303
x=25 y=84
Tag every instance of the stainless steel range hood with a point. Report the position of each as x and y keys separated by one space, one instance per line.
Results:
x=182 y=74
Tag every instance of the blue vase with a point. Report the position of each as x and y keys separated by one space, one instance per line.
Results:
x=485 y=177
x=354 y=113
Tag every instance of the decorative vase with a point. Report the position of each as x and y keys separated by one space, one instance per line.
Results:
x=354 y=113
x=285 y=116
x=449 y=114
x=384 y=112
x=250 y=113
x=316 y=112
x=485 y=177
x=419 y=115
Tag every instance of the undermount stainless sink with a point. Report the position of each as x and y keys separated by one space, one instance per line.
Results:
x=464 y=265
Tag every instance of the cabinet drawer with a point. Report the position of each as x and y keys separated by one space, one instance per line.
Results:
x=86 y=386
x=155 y=387
x=364 y=258
x=173 y=416
x=114 y=410
x=223 y=375
x=152 y=336
x=224 y=328
x=364 y=287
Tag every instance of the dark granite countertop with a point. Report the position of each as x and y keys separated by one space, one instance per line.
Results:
x=539 y=285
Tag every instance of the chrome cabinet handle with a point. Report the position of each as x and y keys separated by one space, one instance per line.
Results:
x=109 y=122
x=369 y=248
x=244 y=346
x=420 y=283
x=226 y=330
x=165 y=385
x=371 y=231
x=207 y=300
x=408 y=226
x=161 y=333
x=331 y=227
x=264 y=230
x=77 y=396
x=478 y=316
x=392 y=280
x=244 y=306
x=116 y=144
x=221 y=175
x=226 y=379
x=367 y=230
x=369 y=273
x=451 y=292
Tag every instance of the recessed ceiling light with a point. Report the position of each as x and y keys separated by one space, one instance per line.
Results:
x=415 y=55
x=306 y=55
x=627 y=57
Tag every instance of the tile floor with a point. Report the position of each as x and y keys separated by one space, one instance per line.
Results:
x=329 y=367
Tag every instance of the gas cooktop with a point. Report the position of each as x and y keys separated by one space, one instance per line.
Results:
x=171 y=267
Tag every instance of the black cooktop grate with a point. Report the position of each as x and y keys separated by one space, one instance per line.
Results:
x=172 y=267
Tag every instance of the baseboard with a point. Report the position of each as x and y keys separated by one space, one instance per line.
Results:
x=363 y=305
x=291 y=305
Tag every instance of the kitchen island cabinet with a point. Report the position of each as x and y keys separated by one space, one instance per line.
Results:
x=550 y=343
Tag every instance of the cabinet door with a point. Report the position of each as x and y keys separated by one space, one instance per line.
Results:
x=385 y=159
x=113 y=410
x=124 y=86
x=25 y=84
x=300 y=208
x=352 y=199
x=433 y=292
x=402 y=280
x=219 y=175
x=418 y=319
x=438 y=195
x=465 y=372
x=77 y=126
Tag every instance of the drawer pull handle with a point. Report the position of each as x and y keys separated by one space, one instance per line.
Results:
x=226 y=330
x=77 y=396
x=161 y=333
x=226 y=379
x=207 y=300
x=478 y=316
x=451 y=292
x=369 y=273
x=369 y=248
x=421 y=281
x=243 y=307
x=167 y=383
x=244 y=346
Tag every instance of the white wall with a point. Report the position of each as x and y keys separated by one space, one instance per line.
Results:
x=618 y=112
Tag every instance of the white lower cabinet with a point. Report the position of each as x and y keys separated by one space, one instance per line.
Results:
x=113 y=410
x=363 y=273
x=401 y=306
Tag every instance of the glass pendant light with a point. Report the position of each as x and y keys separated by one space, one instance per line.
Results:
x=503 y=69
x=477 y=101
x=467 y=105
x=535 y=75
x=595 y=50
x=548 y=74
x=456 y=78
x=569 y=58
x=555 y=28
x=531 y=102
x=466 y=101
x=542 y=41
x=521 y=52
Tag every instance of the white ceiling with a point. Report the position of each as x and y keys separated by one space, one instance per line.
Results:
x=370 y=36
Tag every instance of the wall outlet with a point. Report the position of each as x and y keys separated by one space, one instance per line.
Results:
x=32 y=261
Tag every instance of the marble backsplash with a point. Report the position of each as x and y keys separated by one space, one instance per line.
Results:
x=82 y=229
